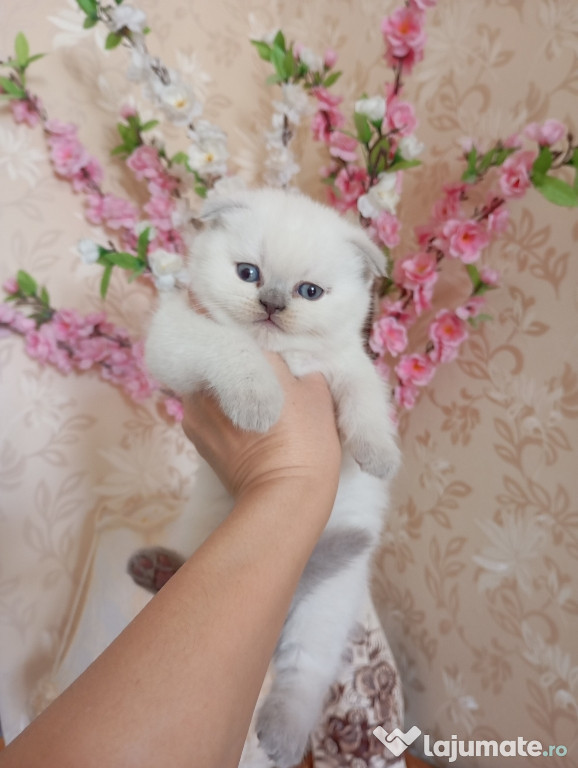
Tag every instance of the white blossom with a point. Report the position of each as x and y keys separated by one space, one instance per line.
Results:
x=295 y=104
x=226 y=185
x=167 y=269
x=312 y=60
x=127 y=16
x=383 y=196
x=139 y=67
x=411 y=147
x=208 y=153
x=373 y=109
x=175 y=98
x=88 y=250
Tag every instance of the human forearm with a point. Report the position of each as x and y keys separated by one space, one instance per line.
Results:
x=179 y=684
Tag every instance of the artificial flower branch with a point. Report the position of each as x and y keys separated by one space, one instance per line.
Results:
x=365 y=175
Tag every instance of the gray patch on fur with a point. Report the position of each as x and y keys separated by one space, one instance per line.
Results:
x=335 y=550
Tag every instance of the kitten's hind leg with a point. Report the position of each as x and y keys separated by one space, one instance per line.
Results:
x=314 y=636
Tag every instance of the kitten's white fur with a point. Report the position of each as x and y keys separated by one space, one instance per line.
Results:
x=291 y=240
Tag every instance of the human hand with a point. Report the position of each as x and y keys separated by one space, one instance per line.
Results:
x=302 y=446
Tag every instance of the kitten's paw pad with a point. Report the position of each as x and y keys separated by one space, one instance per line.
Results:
x=256 y=408
x=380 y=458
x=280 y=733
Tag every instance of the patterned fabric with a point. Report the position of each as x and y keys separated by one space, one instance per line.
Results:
x=477 y=580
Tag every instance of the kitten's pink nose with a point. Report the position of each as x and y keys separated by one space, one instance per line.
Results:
x=272 y=300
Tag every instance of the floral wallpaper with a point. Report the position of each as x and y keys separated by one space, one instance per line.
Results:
x=476 y=583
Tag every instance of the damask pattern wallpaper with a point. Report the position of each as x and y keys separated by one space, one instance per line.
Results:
x=476 y=583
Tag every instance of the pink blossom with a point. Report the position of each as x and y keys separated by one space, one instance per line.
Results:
x=415 y=369
x=388 y=335
x=343 y=146
x=351 y=182
x=405 y=395
x=89 y=176
x=162 y=185
x=68 y=155
x=94 y=208
x=127 y=110
x=118 y=213
x=447 y=332
x=26 y=110
x=145 y=162
x=11 y=286
x=69 y=326
x=174 y=408
x=546 y=134
x=168 y=240
x=515 y=174
x=400 y=116
x=498 y=220
x=450 y=204
x=159 y=210
x=328 y=117
x=395 y=309
x=7 y=314
x=405 y=37
x=420 y=269
x=466 y=239
x=386 y=229
x=59 y=129
x=490 y=276
x=330 y=58
x=471 y=308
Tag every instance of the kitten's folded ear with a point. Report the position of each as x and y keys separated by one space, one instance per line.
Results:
x=373 y=257
x=214 y=210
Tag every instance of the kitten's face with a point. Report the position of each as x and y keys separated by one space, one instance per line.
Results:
x=281 y=266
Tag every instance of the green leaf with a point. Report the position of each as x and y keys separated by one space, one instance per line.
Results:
x=279 y=40
x=201 y=190
x=124 y=260
x=263 y=49
x=13 y=90
x=332 y=78
x=105 y=282
x=21 y=49
x=378 y=156
x=363 y=128
x=290 y=63
x=26 y=283
x=90 y=7
x=90 y=22
x=120 y=150
x=181 y=158
x=274 y=80
x=474 y=274
x=278 y=59
x=149 y=125
x=35 y=58
x=556 y=191
x=112 y=41
x=542 y=163
x=476 y=321
x=44 y=297
x=143 y=244
x=402 y=165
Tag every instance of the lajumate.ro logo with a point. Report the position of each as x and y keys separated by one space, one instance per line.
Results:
x=397 y=742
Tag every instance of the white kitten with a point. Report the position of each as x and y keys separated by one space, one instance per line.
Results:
x=276 y=271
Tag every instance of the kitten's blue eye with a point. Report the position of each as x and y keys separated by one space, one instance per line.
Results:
x=248 y=272
x=310 y=291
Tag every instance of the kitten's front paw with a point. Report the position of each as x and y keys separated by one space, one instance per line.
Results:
x=280 y=732
x=378 y=456
x=256 y=405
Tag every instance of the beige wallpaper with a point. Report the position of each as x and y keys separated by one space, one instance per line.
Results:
x=477 y=581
